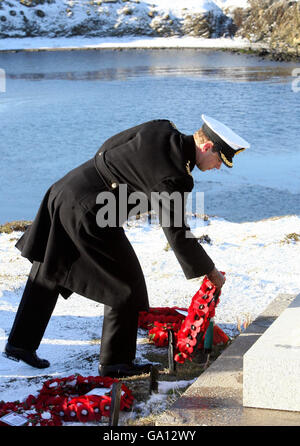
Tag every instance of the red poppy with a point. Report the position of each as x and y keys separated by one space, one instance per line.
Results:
x=30 y=401
x=179 y=358
x=219 y=336
x=105 y=404
x=192 y=341
x=55 y=400
x=94 y=403
x=183 y=346
x=185 y=330
x=71 y=412
x=97 y=412
x=85 y=412
x=126 y=397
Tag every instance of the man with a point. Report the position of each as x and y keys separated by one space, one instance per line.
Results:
x=73 y=251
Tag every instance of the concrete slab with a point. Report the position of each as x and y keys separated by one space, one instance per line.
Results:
x=216 y=397
x=271 y=371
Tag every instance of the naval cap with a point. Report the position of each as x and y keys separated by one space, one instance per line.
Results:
x=225 y=140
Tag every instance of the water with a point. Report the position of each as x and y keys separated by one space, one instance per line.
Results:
x=59 y=107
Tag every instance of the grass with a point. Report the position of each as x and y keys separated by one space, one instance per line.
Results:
x=291 y=238
x=242 y=325
x=17 y=225
x=140 y=385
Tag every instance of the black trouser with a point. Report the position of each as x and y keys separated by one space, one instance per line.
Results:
x=119 y=332
x=35 y=309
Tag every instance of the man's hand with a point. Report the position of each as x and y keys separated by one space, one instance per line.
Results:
x=217 y=278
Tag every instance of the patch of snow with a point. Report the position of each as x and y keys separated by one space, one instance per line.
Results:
x=258 y=261
x=45 y=43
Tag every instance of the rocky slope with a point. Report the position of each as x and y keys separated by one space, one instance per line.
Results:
x=274 y=23
x=30 y=18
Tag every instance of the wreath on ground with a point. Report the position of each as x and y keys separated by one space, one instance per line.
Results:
x=189 y=328
x=75 y=398
x=87 y=399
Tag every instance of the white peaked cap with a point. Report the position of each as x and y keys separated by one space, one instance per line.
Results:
x=227 y=142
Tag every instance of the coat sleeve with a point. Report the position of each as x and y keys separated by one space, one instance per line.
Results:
x=169 y=201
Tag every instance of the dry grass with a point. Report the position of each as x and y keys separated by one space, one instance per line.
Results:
x=243 y=322
x=140 y=385
x=291 y=238
x=18 y=225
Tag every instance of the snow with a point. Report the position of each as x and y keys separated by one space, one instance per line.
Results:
x=232 y=4
x=45 y=43
x=193 y=6
x=115 y=14
x=106 y=19
x=258 y=261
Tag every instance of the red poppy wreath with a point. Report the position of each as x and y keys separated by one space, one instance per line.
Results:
x=188 y=328
x=68 y=399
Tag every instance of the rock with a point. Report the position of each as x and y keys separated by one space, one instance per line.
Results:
x=165 y=25
x=204 y=239
x=205 y=24
x=40 y=13
x=274 y=22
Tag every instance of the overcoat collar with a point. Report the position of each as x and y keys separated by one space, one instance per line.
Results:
x=189 y=150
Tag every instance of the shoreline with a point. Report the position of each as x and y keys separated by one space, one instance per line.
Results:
x=122 y=42
x=78 y=43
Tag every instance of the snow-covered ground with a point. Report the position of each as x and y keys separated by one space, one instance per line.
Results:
x=259 y=261
x=78 y=42
x=123 y=24
x=101 y=20
x=117 y=14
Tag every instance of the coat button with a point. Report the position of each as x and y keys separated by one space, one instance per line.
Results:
x=114 y=185
x=100 y=153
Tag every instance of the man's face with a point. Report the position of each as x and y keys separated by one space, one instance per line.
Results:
x=208 y=160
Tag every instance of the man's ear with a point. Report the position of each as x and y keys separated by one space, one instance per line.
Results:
x=206 y=146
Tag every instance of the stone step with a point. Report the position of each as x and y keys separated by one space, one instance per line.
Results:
x=271 y=367
x=216 y=397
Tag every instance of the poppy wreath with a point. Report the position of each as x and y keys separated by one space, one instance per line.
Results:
x=163 y=315
x=187 y=330
x=65 y=399
x=192 y=330
x=158 y=321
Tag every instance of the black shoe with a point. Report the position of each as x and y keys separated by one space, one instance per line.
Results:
x=123 y=370
x=19 y=354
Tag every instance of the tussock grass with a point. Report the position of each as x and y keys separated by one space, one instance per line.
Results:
x=291 y=238
x=17 y=225
x=140 y=385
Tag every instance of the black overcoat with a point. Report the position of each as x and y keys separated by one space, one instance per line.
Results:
x=99 y=262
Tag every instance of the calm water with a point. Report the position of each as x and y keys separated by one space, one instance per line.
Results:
x=59 y=107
